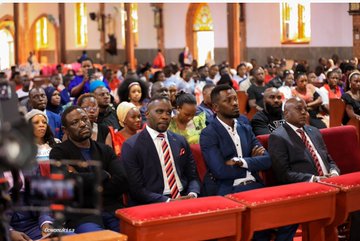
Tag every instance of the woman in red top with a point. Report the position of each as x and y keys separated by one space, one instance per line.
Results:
x=130 y=119
x=332 y=86
x=312 y=99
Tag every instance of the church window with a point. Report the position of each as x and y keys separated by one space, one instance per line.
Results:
x=81 y=25
x=295 y=22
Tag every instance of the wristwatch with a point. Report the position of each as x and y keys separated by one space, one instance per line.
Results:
x=238 y=161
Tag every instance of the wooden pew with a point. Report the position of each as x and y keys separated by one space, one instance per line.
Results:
x=105 y=235
x=311 y=204
x=336 y=113
x=243 y=102
x=347 y=200
x=193 y=219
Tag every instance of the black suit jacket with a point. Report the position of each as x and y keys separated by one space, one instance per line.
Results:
x=142 y=165
x=113 y=187
x=292 y=161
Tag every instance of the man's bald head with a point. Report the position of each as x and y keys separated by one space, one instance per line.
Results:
x=271 y=91
x=159 y=89
x=295 y=112
x=273 y=101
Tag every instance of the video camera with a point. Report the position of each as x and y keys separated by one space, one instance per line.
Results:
x=17 y=148
x=73 y=192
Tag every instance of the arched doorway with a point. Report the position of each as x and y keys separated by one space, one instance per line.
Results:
x=44 y=39
x=7 y=46
x=200 y=32
x=7 y=58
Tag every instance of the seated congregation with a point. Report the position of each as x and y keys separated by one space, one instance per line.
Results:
x=198 y=152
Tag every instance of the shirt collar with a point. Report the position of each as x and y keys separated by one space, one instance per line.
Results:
x=153 y=133
x=227 y=127
x=294 y=127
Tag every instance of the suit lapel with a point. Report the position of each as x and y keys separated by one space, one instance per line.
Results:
x=174 y=145
x=223 y=133
x=298 y=141
x=312 y=136
x=243 y=140
x=150 y=149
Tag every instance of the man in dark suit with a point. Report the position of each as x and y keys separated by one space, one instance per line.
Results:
x=298 y=151
x=233 y=155
x=159 y=163
x=80 y=146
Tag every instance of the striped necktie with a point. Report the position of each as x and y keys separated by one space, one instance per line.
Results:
x=312 y=151
x=169 y=168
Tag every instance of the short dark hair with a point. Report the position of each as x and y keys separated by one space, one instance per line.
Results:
x=159 y=98
x=184 y=98
x=215 y=93
x=66 y=112
x=201 y=68
x=87 y=59
x=240 y=65
x=208 y=86
x=83 y=97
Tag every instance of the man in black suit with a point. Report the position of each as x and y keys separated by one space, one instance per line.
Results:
x=80 y=146
x=298 y=151
x=159 y=163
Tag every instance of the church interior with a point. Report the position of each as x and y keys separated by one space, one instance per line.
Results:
x=41 y=40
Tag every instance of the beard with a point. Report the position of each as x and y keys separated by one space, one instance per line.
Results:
x=274 y=111
x=231 y=115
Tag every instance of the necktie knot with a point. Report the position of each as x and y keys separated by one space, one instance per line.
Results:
x=300 y=131
x=161 y=135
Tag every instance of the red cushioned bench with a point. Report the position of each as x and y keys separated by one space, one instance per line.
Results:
x=194 y=219
x=311 y=204
x=347 y=200
x=342 y=144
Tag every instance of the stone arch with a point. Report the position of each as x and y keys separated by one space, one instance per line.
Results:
x=7 y=22
x=191 y=36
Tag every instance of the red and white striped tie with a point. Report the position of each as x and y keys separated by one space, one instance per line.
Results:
x=312 y=152
x=170 y=172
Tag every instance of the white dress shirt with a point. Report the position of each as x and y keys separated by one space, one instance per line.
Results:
x=237 y=142
x=157 y=141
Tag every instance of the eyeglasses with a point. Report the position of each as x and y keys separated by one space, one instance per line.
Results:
x=89 y=108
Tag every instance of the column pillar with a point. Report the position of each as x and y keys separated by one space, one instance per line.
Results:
x=129 y=38
x=17 y=33
x=62 y=37
x=243 y=52
x=158 y=24
x=233 y=20
x=102 y=33
x=356 y=35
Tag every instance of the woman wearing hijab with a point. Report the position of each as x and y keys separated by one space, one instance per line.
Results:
x=130 y=119
x=54 y=100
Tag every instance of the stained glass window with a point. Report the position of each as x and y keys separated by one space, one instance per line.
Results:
x=203 y=20
x=42 y=33
x=135 y=22
x=295 y=22
x=81 y=25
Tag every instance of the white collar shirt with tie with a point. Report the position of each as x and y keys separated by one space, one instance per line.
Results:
x=157 y=141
